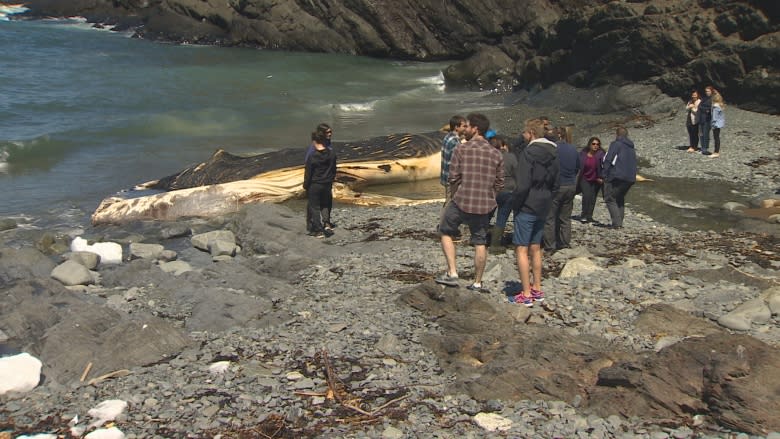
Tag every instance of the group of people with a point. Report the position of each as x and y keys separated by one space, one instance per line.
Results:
x=705 y=114
x=536 y=179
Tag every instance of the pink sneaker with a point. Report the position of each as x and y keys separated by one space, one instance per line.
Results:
x=523 y=300
x=537 y=295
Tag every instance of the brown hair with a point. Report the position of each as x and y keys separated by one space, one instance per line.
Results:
x=535 y=127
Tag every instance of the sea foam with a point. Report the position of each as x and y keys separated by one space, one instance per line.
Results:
x=6 y=10
x=359 y=107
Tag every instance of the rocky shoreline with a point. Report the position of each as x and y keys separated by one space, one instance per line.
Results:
x=265 y=332
x=499 y=45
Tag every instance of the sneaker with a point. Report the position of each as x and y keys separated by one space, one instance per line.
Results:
x=317 y=234
x=714 y=155
x=524 y=300
x=537 y=295
x=446 y=279
x=478 y=288
x=703 y=152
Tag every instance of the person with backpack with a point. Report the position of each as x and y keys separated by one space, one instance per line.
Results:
x=619 y=169
x=536 y=179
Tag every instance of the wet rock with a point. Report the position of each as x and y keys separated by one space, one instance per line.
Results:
x=72 y=273
x=24 y=263
x=146 y=251
x=87 y=259
x=7 y=224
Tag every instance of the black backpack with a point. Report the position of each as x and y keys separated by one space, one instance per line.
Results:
x=541 y=172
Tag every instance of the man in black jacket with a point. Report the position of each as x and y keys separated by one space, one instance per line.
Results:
x=619 y=175
x=536 y=178
x=318 y=180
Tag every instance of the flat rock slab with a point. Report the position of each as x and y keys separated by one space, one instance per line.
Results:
x=495 y=356
x=68 y=330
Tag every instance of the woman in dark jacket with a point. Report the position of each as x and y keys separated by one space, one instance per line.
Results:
x=318 y=182
x=590 y=178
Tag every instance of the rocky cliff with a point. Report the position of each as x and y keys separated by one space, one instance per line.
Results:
x=678 y=45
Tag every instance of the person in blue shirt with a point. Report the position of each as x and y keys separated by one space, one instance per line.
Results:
x=718 y=121
x=557 y=227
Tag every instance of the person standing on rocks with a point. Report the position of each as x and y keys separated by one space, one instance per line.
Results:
x=319 y=174
x=451 y=141
x=557 y=227
x=504 y=198
x=705 y=119
x=476 y=176
x=692 y=121
x=326 y=209
x=590 y=178
x=537 y=182
x=619 y=170
x=718 y=121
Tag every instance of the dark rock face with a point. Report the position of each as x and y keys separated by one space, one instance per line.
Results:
x=679 y=46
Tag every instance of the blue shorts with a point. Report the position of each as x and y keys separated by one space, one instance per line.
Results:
x=453 y=217
x=528 y=229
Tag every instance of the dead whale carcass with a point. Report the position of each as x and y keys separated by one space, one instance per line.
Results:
x=226 y=182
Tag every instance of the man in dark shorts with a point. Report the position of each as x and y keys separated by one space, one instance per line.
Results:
x=476 y=176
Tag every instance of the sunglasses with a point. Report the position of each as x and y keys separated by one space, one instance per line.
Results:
x=595 y=143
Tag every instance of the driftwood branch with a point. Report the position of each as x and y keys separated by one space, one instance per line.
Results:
x=336 y=390
x=86 y=372
x=114 y=374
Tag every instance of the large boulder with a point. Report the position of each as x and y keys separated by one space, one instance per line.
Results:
x=67 y=330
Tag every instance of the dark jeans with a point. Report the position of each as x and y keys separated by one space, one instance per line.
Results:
x=557 y=227
x=504 y=201
x=716 y=137
x=705 y=135
x=693 y=135
x=320 y=197
x=590 y=191
x=615 y=198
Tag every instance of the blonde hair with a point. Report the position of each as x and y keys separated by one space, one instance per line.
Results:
x=718 y=99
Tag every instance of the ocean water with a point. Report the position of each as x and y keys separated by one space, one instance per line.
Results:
x=86 y=113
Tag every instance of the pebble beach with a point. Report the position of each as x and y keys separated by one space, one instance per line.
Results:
x=286 y=335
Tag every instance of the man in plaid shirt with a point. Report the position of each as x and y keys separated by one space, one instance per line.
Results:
x=476 y=175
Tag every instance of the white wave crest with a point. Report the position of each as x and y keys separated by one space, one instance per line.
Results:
x=363 y=107
x=679 y=204
x=6 y=10
x=435 y=80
